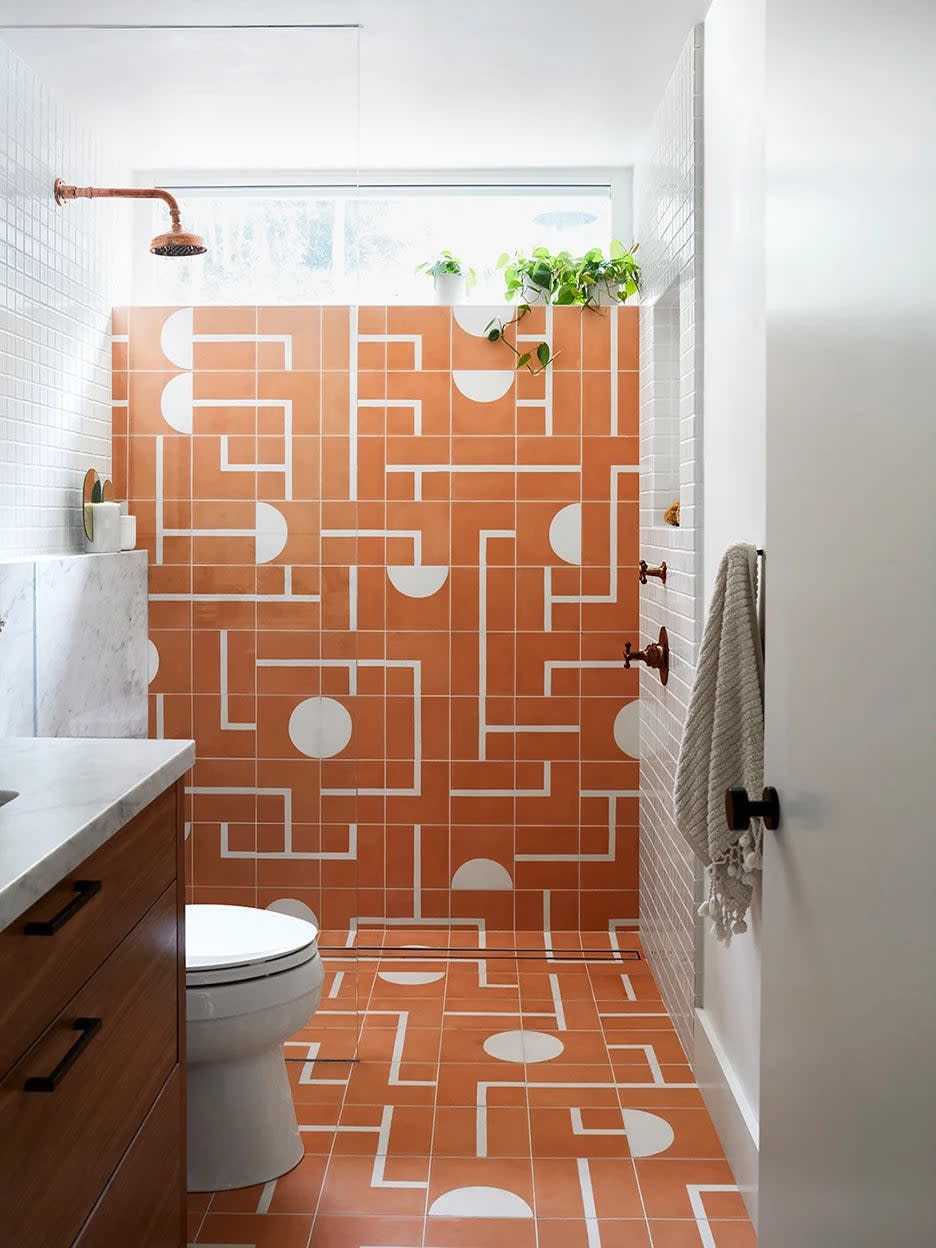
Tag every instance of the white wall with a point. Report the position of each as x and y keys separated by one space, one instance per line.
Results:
x=734 y=474
x=848 y=1094
x=56 y=266
x=668 y=214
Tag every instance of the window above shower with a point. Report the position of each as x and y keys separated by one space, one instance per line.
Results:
x=340 y=244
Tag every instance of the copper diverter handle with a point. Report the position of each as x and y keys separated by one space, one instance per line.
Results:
x=655 y=654
x=646 y=571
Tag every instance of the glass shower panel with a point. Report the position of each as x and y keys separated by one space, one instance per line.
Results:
x=234 y=412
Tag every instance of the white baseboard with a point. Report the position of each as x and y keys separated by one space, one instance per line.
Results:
x=734 y=1118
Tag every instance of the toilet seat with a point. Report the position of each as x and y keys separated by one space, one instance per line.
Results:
x=230 y=944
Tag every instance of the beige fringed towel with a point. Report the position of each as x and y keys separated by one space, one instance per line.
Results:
x=723 y=745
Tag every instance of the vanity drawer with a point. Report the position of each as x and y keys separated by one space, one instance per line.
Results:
x=40 y=973
x=144 y=1202
x=59 y=1148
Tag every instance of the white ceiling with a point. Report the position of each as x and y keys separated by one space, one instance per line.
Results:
x=444 y=84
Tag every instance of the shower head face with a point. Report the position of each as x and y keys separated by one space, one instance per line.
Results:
x=178 y=243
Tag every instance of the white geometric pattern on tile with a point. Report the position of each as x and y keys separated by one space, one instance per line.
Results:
x=439 y=1142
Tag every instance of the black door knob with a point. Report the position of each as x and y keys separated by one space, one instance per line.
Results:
x=740 y=810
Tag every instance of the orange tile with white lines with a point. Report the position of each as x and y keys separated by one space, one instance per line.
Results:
x=390 y=584
x=498 y=1100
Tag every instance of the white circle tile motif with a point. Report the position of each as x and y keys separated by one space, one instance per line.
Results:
x=482 y=873
x=417 y=582
x=483 y=385
x=647 y=1134
x=523 y=1046
x=152 y=661
x=415 y=978
x=271 y=532
x=177 y=337
x=475 y=318
x=176 y=402
x=627 y=729
x=320 y=727
x=297 y=909
x=480 y=1202
x=565 y=533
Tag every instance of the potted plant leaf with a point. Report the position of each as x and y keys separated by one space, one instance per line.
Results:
x=604 y=281
x=540 y=277
x=451 y=277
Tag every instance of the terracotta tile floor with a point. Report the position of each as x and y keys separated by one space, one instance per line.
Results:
x=531 y=1100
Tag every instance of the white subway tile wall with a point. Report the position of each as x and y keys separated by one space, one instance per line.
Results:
x=55 y=300
x=668 y=211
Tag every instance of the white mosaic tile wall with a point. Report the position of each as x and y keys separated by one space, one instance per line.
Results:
x=55 y=300
x=668 y=211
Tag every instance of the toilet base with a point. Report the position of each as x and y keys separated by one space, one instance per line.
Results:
x=242 y=1126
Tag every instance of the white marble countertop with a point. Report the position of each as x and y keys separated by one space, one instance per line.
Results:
x=74 y=794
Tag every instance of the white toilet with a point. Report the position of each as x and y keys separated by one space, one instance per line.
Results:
x=253 y=979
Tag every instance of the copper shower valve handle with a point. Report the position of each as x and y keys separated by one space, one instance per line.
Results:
x=655 y=654
x=646 y=571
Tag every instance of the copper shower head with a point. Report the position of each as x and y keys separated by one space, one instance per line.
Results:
x=177 y=242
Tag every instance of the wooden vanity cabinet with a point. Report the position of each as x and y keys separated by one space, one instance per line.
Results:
x=92 y=1032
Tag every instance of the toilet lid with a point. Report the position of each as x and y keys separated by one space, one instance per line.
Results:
x=220 y=938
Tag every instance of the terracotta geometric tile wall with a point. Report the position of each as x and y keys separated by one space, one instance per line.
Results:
x=390 y=584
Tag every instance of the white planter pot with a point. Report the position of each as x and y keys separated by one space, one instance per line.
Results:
x=105 y=529
x=449 y=288
x=533 y=294
x=604 y=294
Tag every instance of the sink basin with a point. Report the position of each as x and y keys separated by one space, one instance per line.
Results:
x=7 y=795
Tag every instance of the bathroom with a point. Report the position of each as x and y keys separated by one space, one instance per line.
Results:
x=447 y=690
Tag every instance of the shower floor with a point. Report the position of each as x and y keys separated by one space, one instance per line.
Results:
x=527 y=1097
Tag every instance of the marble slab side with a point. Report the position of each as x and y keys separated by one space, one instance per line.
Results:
x=91 y=645
x=17 y=668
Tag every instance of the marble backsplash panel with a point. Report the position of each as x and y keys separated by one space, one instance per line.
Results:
x=17 y=640
x=73 y=653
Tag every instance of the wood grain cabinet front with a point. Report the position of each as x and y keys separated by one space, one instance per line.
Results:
x=92 y=1049
x=47 y=955
x=140 y=1205
x=70 y=1108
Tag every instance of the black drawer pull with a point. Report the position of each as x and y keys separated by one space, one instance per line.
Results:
x=89 y=1027
x=84 y=891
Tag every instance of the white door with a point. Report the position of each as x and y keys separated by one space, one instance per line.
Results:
x=848 y=1076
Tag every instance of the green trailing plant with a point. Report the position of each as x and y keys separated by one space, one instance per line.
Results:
x=448 y=263
x=563 y=280
x=618 y=273
x=553 y=275
x=533 y=361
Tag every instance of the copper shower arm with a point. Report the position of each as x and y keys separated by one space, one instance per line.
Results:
x=64 y=192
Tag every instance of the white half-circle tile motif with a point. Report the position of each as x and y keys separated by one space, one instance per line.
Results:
x=177 y=337
x=483 y=385
x=407 y=978
x=523 y=1046
x=482 y=873
x=565 y=533
x=271 y=533
x=627 y=729
x=297 y=909
x=480 y=1202
x=320 y=727
x=475 y=318
x=152 y=661
x=417 y=582
x=176 y=402
x=647 y=1134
